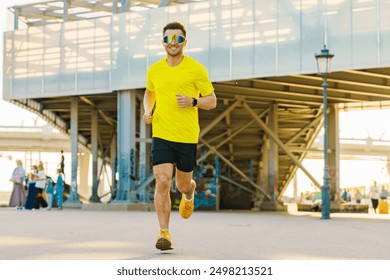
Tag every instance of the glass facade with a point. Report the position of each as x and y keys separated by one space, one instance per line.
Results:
x=234 y=39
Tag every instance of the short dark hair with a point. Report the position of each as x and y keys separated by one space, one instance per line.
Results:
x=175 y=25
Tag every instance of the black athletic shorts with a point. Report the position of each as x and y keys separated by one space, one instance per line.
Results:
x=181 y=154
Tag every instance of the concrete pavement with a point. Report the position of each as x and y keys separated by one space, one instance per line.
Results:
x=75 y=234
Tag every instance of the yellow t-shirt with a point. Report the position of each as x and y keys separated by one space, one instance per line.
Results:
x=170 y=122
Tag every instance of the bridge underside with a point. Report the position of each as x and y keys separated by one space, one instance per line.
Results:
x=263 y=126
x=232 y=131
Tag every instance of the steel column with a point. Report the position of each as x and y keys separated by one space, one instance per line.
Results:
x=273 y=153
x=126 y=146
x=164 y=3
x=144 y=154
x=65 y=12
x=334 y=156
x=94 y=147
x=16 y=17
x=113 y=157
x=74 y=113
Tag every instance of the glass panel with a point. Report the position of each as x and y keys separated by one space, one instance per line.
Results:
x=364 y=35
x=288 y=38
x=158 y=18
x=220 y=40
x=339 y=20
x=233 y=38
x=384 y=12
x=312 y=34
x=8 y=70
x=53 y=58
x=198 y=32
x=119 y=47
x=265 y=45
x=242 y=39
x=70 y=56
x=138 y=42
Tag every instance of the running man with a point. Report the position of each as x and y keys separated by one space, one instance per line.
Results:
x=176 y=87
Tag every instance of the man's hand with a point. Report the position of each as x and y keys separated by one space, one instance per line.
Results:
x=148 y=117
x=183 y=101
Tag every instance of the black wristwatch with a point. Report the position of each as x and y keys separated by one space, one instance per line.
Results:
x=194 y=102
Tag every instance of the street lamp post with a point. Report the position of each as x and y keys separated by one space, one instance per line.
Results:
x=323 y=66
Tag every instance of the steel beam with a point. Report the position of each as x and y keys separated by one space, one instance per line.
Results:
x=304 y=129
x=219 y=118
x=274 y=137
x=236 y=184
x=228 y=162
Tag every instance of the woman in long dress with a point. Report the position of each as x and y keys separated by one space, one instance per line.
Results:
x=18 y=196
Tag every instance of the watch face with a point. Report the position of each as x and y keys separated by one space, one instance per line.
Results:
x=194 y=101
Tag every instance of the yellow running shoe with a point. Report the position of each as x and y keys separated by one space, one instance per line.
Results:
x=164 y=241
x=186 y=207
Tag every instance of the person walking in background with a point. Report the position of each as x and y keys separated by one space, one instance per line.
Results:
x=383 y=204
x=62 y=163
x=30 y=201
x=18 y=195
x=177 y=86
x=345 y=196
x=49 y=193
x=358 y=196
x=384 y=193
x=39 y=187
x=59 y=189
x=374 y=195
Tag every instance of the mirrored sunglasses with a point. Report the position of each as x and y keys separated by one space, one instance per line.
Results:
x=168 y=39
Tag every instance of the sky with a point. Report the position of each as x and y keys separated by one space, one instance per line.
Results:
x=16 y=116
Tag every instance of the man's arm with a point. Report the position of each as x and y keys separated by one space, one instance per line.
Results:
x=149 y=101
x=205 y=102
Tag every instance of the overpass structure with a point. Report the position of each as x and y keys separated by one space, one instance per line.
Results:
x=82 y=66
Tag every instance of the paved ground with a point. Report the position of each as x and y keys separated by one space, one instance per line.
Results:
x=74 y=234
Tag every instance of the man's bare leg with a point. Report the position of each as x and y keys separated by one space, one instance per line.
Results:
x=162 y=203
x=162 y=199
x=186 y=186
x=185 y=183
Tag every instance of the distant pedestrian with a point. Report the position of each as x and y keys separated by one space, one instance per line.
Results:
x=59 y=189
x=39 y=187
x=49 y=193
x=32 y=176
x=18 y=195
x=358 y=196
x=62 y=163
x=374 y=195
x=384 y=193
x=346 y=196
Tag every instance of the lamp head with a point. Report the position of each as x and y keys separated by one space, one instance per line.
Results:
x=324 y=62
